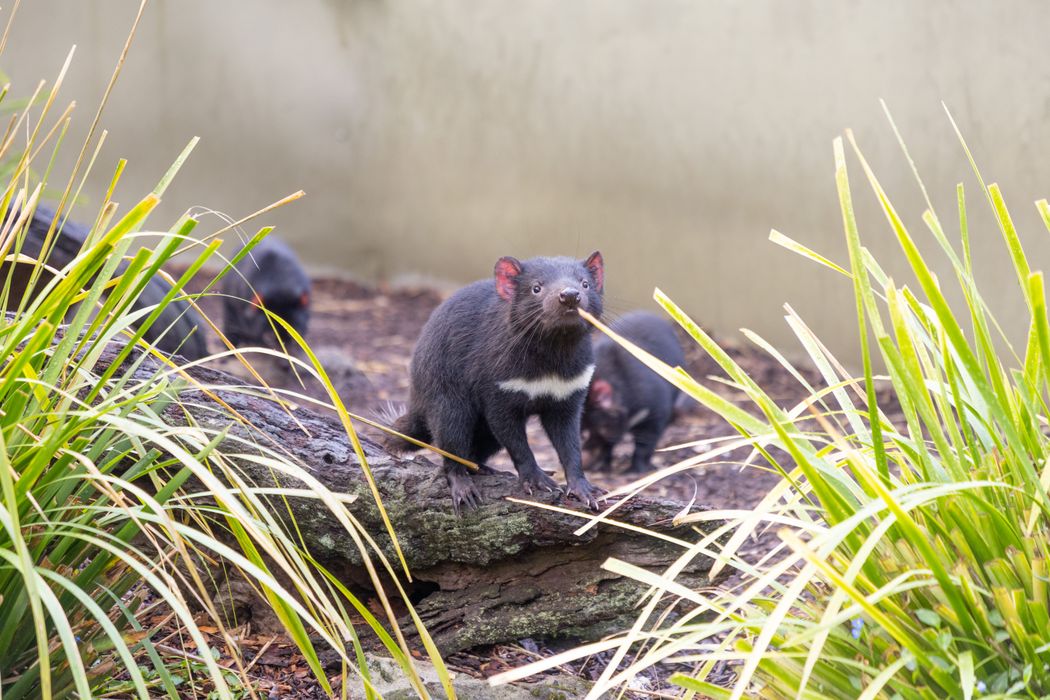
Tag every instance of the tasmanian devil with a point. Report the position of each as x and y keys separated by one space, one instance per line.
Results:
x=177 y=330
x=501 y=350
x=626 y=396
x=269 y=277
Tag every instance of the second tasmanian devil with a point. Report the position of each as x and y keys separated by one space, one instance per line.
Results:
x=269 y=277
x=501 y=350
x=178 y=329
x=628 y=397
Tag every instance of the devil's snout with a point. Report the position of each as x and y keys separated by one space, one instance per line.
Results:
x=569 y=297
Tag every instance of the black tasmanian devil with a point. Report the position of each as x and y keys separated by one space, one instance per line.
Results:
x=269 y=276
x=177 y=330
x=628 y=397
x=497 y=352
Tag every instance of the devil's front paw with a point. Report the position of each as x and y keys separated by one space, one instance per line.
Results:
x=535 y=479
x=585 y=492
x=464 y=494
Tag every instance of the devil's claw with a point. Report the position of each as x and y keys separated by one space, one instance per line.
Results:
x=537 y=479
x=585 y=493
x=464 y=493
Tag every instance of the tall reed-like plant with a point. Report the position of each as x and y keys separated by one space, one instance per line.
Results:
x=915 y=555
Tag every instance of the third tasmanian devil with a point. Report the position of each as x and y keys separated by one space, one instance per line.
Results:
x=501 y=350
x=628 y=397
x=269 y=277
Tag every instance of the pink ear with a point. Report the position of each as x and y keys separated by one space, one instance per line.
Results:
x=507 y=271
x=597 y=267
x=601 y=393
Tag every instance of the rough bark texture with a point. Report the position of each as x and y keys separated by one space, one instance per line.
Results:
x=503 y=572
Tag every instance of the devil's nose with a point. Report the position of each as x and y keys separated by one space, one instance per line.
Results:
x=570 y=297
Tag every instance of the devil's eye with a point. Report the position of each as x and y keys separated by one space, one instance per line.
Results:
x=586 y=284
x=536 y=288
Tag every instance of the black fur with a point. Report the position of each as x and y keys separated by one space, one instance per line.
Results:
x=521 y=325
x=270 y=273
x=178 y=330
x=626 y=396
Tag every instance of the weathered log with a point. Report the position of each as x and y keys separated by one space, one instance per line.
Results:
x=503 y=572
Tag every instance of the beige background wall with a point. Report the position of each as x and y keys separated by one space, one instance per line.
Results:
x=433 y=136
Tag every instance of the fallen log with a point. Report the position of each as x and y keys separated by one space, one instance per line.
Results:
x=502 y=572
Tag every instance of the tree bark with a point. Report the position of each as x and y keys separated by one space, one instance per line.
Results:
x=502 y=572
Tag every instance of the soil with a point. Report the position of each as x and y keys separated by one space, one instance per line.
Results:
x=364 y=337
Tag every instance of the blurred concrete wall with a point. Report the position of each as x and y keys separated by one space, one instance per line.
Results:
x=433 y=136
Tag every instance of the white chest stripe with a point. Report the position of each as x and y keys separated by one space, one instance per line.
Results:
x=552 y=385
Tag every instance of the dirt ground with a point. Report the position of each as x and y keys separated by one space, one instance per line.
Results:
x=365 y=337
